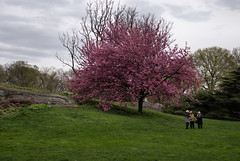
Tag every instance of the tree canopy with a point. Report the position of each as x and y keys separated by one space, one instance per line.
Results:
x=213 y=63
x=21 y=73
x=231 y=83
x=236 y=53
x=230 y=86
x=132 y=62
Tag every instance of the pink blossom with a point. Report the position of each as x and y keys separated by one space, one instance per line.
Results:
x=130 y=64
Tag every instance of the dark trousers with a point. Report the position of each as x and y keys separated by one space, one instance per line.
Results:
x=192 y=124
x=187 y=124
x=200 y=125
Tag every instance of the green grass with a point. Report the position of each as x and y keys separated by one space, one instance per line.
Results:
x=60 y=134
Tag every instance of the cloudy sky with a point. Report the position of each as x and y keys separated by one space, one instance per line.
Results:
x=29 y=29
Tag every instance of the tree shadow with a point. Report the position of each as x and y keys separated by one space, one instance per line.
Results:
x=128 y=110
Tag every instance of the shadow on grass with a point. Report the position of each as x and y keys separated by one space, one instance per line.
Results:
x=128 y=110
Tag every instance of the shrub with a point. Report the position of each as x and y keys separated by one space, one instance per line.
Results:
x=38 y=106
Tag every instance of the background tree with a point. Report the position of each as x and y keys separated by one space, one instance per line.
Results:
x=53 y=80
x=225 y=102
x=21 y=73
x=213 y=63
x=2 y=74
x=231 y=87
x=132 y=62
x=231 y=83
x=236 y=53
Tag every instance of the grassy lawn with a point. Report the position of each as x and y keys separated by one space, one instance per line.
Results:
x=88 y=134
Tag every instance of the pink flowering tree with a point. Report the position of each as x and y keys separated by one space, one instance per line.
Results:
x=131 y=63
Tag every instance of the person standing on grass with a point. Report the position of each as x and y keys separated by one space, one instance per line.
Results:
x=199 y=119
x=187 y=118
x=192 y=120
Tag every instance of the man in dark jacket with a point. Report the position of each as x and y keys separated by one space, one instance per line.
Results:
x=199 y=119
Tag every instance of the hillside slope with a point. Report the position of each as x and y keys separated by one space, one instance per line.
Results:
x=86 y=133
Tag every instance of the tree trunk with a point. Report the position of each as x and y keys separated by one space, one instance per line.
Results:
x=140 y=101
x=140 y=104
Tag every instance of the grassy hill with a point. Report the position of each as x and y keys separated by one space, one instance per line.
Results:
x=43 y=133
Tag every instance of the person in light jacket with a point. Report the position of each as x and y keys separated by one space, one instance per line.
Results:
x=199 y=119
x=192 y=120
x=187 y=118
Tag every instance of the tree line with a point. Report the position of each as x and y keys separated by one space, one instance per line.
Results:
x=219 y=93
x=21 y=73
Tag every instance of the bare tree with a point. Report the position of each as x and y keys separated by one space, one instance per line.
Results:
x=99 y=14
x=236 y=53
x=70 y=42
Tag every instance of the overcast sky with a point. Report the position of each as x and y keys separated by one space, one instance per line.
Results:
x=29 y=29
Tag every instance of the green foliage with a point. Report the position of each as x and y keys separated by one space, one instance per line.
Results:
x=236 y=53
x=176 y=110
x=87 y=133
x=220 y=115
x=230 y=87
x=38 y=107
x=6 y=113
x=231 y=83
x=2 y=74
x=216 y=106
x=208 y=101
x=22 y=74
x=10 y=107
x=221 y=97
x=213 y=63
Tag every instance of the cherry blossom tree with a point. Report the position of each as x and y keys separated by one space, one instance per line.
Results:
x=131 y=63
